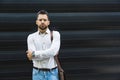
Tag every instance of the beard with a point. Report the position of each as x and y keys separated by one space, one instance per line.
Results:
x=42 y=27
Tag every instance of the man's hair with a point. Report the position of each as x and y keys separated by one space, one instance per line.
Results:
x=42 y=12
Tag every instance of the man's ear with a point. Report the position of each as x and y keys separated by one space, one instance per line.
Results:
x=49 y=22
x=36 y=22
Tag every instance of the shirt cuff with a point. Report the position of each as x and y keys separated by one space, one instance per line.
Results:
x=33 y=54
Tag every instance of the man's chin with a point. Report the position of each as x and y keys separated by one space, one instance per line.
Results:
x=43 y=28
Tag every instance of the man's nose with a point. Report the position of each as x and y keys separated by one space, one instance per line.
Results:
x=42 y=21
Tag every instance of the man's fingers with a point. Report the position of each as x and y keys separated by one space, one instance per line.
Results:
x=29 y=56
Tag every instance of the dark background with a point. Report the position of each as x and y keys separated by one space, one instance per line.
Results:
x=90 y=36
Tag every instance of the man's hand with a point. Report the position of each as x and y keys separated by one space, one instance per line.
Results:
x=29 y=54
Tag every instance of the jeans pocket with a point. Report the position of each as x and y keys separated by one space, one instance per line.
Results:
x=35 y=71
x=54 y=72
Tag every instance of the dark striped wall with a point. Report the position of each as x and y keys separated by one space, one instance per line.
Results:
x=90 y=34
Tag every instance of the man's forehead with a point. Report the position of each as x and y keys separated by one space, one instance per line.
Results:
x=40 y=16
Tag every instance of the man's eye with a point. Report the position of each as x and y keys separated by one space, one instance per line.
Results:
x=40 y=19
x=45 y=20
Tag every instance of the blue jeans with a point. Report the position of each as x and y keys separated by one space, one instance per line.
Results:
x=45 y=75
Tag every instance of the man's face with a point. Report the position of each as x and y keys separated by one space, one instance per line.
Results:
x=42 y=21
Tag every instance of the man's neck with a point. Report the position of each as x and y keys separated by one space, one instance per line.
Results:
x=42 y=31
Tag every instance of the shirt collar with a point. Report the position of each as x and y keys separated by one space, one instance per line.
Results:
x=47 y=31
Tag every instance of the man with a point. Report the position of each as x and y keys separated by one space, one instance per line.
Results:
x=41 y=50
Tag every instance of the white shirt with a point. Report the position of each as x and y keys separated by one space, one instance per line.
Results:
x=44 y=49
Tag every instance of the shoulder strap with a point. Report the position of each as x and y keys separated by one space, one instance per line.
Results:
x=51 y=33
x=56 y=57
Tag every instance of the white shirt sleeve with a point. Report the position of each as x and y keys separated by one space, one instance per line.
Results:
x=30 y=43
x=52 y=51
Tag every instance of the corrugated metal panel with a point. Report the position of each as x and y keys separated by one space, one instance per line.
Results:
x=90 y=34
